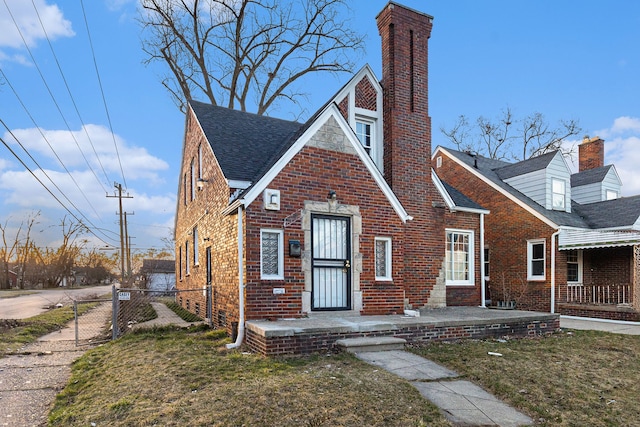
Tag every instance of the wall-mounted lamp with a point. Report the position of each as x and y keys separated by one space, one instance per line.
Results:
x=200 y=183
x=332 y=195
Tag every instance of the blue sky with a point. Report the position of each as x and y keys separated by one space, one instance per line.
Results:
x=567 y=60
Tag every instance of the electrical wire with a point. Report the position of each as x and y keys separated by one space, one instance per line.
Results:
x=104 y=100
x=73 y=102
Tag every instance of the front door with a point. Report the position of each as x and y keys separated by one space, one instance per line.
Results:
x=331 y=263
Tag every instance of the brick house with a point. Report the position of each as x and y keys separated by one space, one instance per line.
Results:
x=340 y=214
x=555 y=241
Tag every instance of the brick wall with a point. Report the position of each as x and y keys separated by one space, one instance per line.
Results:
x=507 y=229
x=324 y=341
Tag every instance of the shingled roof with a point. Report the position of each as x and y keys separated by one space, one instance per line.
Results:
x=617 y=213
x=590 y=176
x=243 y=143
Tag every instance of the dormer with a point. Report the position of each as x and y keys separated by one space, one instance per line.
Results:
x=546 y=179
x=596 y=185
x=360 y=102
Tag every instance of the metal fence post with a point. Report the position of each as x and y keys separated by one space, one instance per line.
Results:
x=75 y=316
x=114 y=312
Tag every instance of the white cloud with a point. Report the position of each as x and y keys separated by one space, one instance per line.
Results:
x=624 y=153
x=28 y=21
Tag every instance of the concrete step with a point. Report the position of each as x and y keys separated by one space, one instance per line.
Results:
x=360 y=345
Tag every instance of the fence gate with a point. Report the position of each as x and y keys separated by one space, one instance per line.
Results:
x=92 y=321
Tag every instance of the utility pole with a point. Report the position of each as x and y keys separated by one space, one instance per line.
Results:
x=127 y=240
x=119 y=195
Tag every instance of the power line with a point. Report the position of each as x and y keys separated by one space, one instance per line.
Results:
x=72 y=101
x=46 y=188
x=104 y=100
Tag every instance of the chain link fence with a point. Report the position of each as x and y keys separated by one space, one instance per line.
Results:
x=100 y=320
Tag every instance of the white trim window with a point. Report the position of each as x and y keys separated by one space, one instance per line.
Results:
x=574 y=267
x=558 y=194
x=459 y=257
x=536 y=259
x=365 y=133
x=196 y=261
x=611 y=195
x=187 y=269
x=383 y=258
x=271 y=254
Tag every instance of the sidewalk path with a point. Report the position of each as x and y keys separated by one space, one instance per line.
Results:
x=462 y=402
x=30 y=379
x=166 y=316
x=613 y=326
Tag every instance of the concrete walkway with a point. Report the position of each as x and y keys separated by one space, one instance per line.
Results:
x=462 y=402
x=166 y=317
x=613 y=326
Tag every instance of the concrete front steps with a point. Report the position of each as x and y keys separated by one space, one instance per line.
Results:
x=369 y=344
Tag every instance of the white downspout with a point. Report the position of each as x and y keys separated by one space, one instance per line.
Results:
x=240 y=336
x=553 y=271
x=483 y=283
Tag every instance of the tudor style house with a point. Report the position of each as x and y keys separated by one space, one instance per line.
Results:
x=555 y=241
x=342 y=213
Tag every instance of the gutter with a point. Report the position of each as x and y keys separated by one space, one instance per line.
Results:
x=240 y=336
x=553 y=271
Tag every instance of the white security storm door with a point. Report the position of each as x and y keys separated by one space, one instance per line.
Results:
x=331 y=263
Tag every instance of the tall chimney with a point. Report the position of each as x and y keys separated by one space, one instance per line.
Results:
x=407 y=148
x=590 y=153
x=407 y=126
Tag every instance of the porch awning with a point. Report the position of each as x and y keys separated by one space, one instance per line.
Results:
x=585 y=239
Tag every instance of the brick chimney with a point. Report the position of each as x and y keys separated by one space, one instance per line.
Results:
x=407 y=149
x=590 y=153
x=407 y=126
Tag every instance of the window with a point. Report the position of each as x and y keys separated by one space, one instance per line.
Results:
x=574 y=267
x=459 y=258
x=193 y=180
x=611 y=195
x=383 y=258
x=558 y=194
x=271 y=255
x=364 y=132
x=439 y=161
x=486 y=263
x=195 y=246
x=186 y=257
x=184 y=188
x=180 y=263
x=536 y=260
x=200 y=161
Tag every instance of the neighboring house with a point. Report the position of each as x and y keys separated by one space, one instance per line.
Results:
x=555 y=241
x=340 y=214
x=159 y=274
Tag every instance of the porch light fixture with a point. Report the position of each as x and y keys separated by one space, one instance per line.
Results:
x=200 y=183
x=332 y=195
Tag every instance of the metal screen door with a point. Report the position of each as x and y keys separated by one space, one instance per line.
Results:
x=331 y=263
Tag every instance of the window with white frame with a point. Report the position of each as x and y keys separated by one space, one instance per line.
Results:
x=558 y=194
x=271 y=254
x=180 y=262
x=200 y=161
x=611 y=195
x=535 y=260
x=195 y=246
x=193 y=180
x=459 y=257
x=383 y=258
x=574 y=267
x=487 y=268
x=187 y=269
x=364 y=132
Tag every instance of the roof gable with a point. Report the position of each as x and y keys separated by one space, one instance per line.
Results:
x=592 y=176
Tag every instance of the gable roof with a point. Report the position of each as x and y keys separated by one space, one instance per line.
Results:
x=487 y=169
x=526 y=166
x=243 y=143
x=590 y=176
x=158 y=266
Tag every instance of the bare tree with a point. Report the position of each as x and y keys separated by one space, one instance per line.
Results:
x=246 y=54
x=507 y=138
x=15 y=250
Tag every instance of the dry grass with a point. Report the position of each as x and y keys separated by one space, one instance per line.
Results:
x=175 y=378
x=579 y=378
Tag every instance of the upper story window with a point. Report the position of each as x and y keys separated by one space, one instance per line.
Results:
x=536 y=260
x=196 y=261
x=558 y=194
x=200 y=161
x=192 y=177
x=611 y=195
x=365 y=133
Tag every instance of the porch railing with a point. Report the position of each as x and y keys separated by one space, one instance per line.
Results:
x=599 y=294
